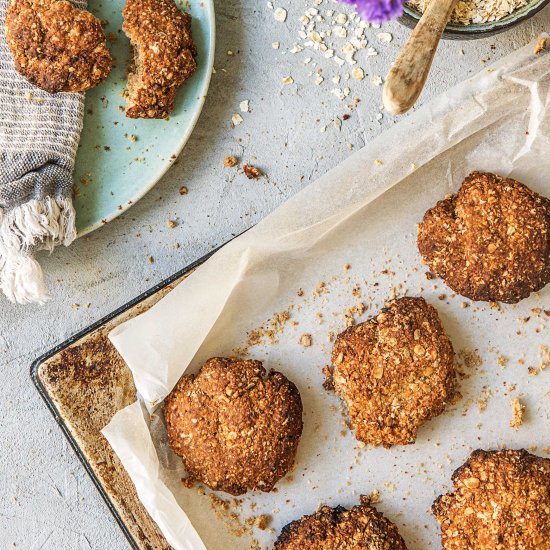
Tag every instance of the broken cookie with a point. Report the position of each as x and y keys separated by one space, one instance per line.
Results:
x=164 y=56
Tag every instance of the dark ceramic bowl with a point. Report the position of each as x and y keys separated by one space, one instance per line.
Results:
x=454 y=31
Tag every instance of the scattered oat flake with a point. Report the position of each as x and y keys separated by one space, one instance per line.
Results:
x=341 y=18
x=385 y=37
x=275 y=45
x=245 y=106
x=378 y=162
x=288 y=80
x=358 y=73
x=236 y=119
x=377 y=80
x=280 y=15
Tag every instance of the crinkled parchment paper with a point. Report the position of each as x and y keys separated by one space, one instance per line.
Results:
x=362 y=213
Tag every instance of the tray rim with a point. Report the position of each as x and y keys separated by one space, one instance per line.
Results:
x=34 y=375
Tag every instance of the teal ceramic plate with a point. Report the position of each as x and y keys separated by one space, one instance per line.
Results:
x=119 y=158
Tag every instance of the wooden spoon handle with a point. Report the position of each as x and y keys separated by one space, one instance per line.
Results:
x=408 y=75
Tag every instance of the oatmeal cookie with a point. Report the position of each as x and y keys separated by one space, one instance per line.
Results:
x=235 y=426
x=394 y=372
x=56 y=46
x=164 y=56
x=490 y=241
x=340 y=529
x=501 y=500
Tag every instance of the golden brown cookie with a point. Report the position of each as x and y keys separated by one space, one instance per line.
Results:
x=164 y=56
x=501 y=500
x=56 y=46
x=394 y=372
x=490 y=241
x=360 y=528
x=235 y=427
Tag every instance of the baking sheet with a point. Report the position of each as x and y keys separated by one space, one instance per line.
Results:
x=86 y=369
x=347 y=239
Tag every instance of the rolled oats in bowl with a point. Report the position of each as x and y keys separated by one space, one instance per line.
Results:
x=469 y=12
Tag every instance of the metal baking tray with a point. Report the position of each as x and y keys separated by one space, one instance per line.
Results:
x=85 y=382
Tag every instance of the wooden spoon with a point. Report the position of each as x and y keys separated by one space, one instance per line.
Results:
x=408 y=74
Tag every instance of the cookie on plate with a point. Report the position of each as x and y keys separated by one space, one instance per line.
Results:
x=56 y=46
x=395 y=371
x=235 y=426
x=490 y=241
x=501 y=500
x=340 y=529
x=164 y=56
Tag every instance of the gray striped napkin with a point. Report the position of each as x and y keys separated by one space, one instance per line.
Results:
x=39 y=134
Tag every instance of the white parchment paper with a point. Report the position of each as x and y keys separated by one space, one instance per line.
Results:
x=362 y=213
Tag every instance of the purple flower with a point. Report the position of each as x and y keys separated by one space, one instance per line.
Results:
x=378 y=11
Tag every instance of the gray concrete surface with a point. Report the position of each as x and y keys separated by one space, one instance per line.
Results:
x=46 y=498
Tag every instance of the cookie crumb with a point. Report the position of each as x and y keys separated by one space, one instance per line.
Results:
x=518 y=410
x=540 y=45
x=252 y=172
x=229 y=162
x=374 y=497
x=262 y=522
x=305 y=340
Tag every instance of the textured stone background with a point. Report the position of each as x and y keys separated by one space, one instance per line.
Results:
x=46 y=498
